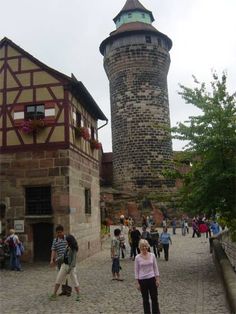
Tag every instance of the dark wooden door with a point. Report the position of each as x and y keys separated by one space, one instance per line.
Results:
x=42 y=236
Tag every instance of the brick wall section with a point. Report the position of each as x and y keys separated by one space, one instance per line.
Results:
x=68 y=173
x=142 y=147
x=84 y=173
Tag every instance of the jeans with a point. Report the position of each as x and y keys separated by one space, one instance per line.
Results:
x=14 y=260
x=166 y=251
x=148 y=286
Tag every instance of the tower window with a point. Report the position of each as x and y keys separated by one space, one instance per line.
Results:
x=148 y=39
x=34 y=112
x=87 y=196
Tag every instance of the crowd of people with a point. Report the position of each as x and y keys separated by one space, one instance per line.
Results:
x=145 y=247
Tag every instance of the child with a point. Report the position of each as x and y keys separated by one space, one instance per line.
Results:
x=115 y=255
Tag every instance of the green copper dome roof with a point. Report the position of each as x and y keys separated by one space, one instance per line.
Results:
x=134 y=18
x=133 y=11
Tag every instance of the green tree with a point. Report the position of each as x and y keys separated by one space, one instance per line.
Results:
x=210 y=185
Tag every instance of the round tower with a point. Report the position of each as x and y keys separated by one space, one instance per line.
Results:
x=136 y=61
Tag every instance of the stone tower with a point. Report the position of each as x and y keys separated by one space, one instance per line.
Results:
x=136 y=61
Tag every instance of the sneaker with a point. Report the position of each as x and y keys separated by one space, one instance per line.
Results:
x=77 y=298
x=53 y=297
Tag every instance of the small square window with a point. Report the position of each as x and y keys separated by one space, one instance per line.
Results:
x=143 y=15
x=129 y=15
x=34 y=112
x=148 y=39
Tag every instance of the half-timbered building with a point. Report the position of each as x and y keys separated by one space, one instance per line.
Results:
x=49 y=154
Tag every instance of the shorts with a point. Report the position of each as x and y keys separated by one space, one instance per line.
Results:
x=115 y=265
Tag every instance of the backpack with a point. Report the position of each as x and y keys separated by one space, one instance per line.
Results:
x=11 y=242
x=21 y=247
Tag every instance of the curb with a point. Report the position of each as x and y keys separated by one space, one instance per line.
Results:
x=227 y=272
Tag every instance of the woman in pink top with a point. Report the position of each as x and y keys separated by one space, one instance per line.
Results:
x=147 y=277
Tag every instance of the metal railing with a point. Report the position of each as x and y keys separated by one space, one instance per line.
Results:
x=228 y=246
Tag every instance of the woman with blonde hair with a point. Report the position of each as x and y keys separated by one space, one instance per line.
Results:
x=147 y=277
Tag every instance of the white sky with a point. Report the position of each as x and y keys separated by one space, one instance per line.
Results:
x=66 y=34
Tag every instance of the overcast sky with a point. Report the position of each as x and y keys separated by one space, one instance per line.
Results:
x=66 y=34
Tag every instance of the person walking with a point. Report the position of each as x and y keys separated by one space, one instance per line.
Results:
x=174 y=224
x=58 y=248
x=122 y=222
x=68 y=267
x=195 y=228
x=145 y=234
x=130 y=243
x=208 y=232
x=115 y=255
x=135 y=237
x=215 y=228
x=165 y=240
x=122 y=244
x=183 y=229
x=12 y=241
x=147 y=277
x=154 y=234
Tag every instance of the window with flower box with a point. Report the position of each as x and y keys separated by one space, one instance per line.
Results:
x=34 y=112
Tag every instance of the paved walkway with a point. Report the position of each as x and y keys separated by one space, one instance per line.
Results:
x=189 y=285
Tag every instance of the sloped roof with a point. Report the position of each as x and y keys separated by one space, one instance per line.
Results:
x=131 y=28
x=71 y=83
x=132 y=5
x=134 y=26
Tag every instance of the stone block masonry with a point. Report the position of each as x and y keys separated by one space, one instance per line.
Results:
x=142 y=146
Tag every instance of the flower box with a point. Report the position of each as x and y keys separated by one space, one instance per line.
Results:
x=82 y=132
x=94 y=144
x=32 y=126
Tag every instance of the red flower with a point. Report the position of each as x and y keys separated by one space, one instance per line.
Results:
x=31 y=126
x=94 y=144
x=83 y=132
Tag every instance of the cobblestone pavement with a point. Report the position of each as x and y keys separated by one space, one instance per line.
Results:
x=189 y=285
